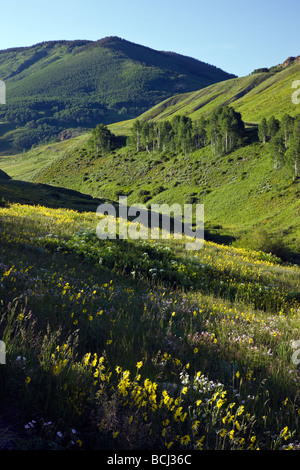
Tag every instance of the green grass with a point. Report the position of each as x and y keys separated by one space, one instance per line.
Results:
x=254 y=96
x=241 y=191
x=113 y=355
x=135 y=344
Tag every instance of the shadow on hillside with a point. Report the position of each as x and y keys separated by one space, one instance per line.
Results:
x=23 y=192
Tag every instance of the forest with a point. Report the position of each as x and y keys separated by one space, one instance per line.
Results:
x=223 y=130
x=284 y=138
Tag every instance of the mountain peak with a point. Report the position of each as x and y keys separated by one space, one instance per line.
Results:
x=69 y=84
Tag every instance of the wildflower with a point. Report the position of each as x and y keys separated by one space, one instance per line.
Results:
x=94 y=361
x=220 y=403
x=27 y=380
x=185 y=440
x=231 y=434
x=195 y=426
x=139 y=364
x=223 y=433
x=178 y=413
x=86 y=359
x=199 y=443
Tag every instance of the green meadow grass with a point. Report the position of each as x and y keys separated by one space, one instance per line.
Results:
x=241 y=191
x=254 y=96
x=124 y=344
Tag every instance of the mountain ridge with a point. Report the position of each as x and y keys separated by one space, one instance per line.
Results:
x=56 y=85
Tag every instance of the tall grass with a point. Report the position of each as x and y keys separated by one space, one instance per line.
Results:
x=153 y=347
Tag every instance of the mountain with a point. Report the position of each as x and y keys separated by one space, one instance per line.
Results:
x=56 y=85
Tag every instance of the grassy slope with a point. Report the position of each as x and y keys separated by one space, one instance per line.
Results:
x=240 y=191
x=70 y=324
x=254 y=96
x=236 y=325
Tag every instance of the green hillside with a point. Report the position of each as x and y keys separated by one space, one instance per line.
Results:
x=129 y=344
x=76 y=84
x=245 y=198
x=247 y=201
x=254 y=96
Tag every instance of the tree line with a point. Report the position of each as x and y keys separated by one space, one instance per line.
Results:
x=284 y=138
x=223 y=130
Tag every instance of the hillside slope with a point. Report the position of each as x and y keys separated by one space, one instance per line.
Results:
x=63 y=84
x=254 y=96
x=245 y=199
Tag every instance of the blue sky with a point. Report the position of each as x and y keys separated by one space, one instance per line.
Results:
x=234 y=35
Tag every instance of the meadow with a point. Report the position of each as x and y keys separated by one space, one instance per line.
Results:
x=141 y=344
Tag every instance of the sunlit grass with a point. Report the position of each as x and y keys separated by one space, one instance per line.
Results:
x=138 y=344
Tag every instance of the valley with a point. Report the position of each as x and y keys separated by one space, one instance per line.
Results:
x=140 y=344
